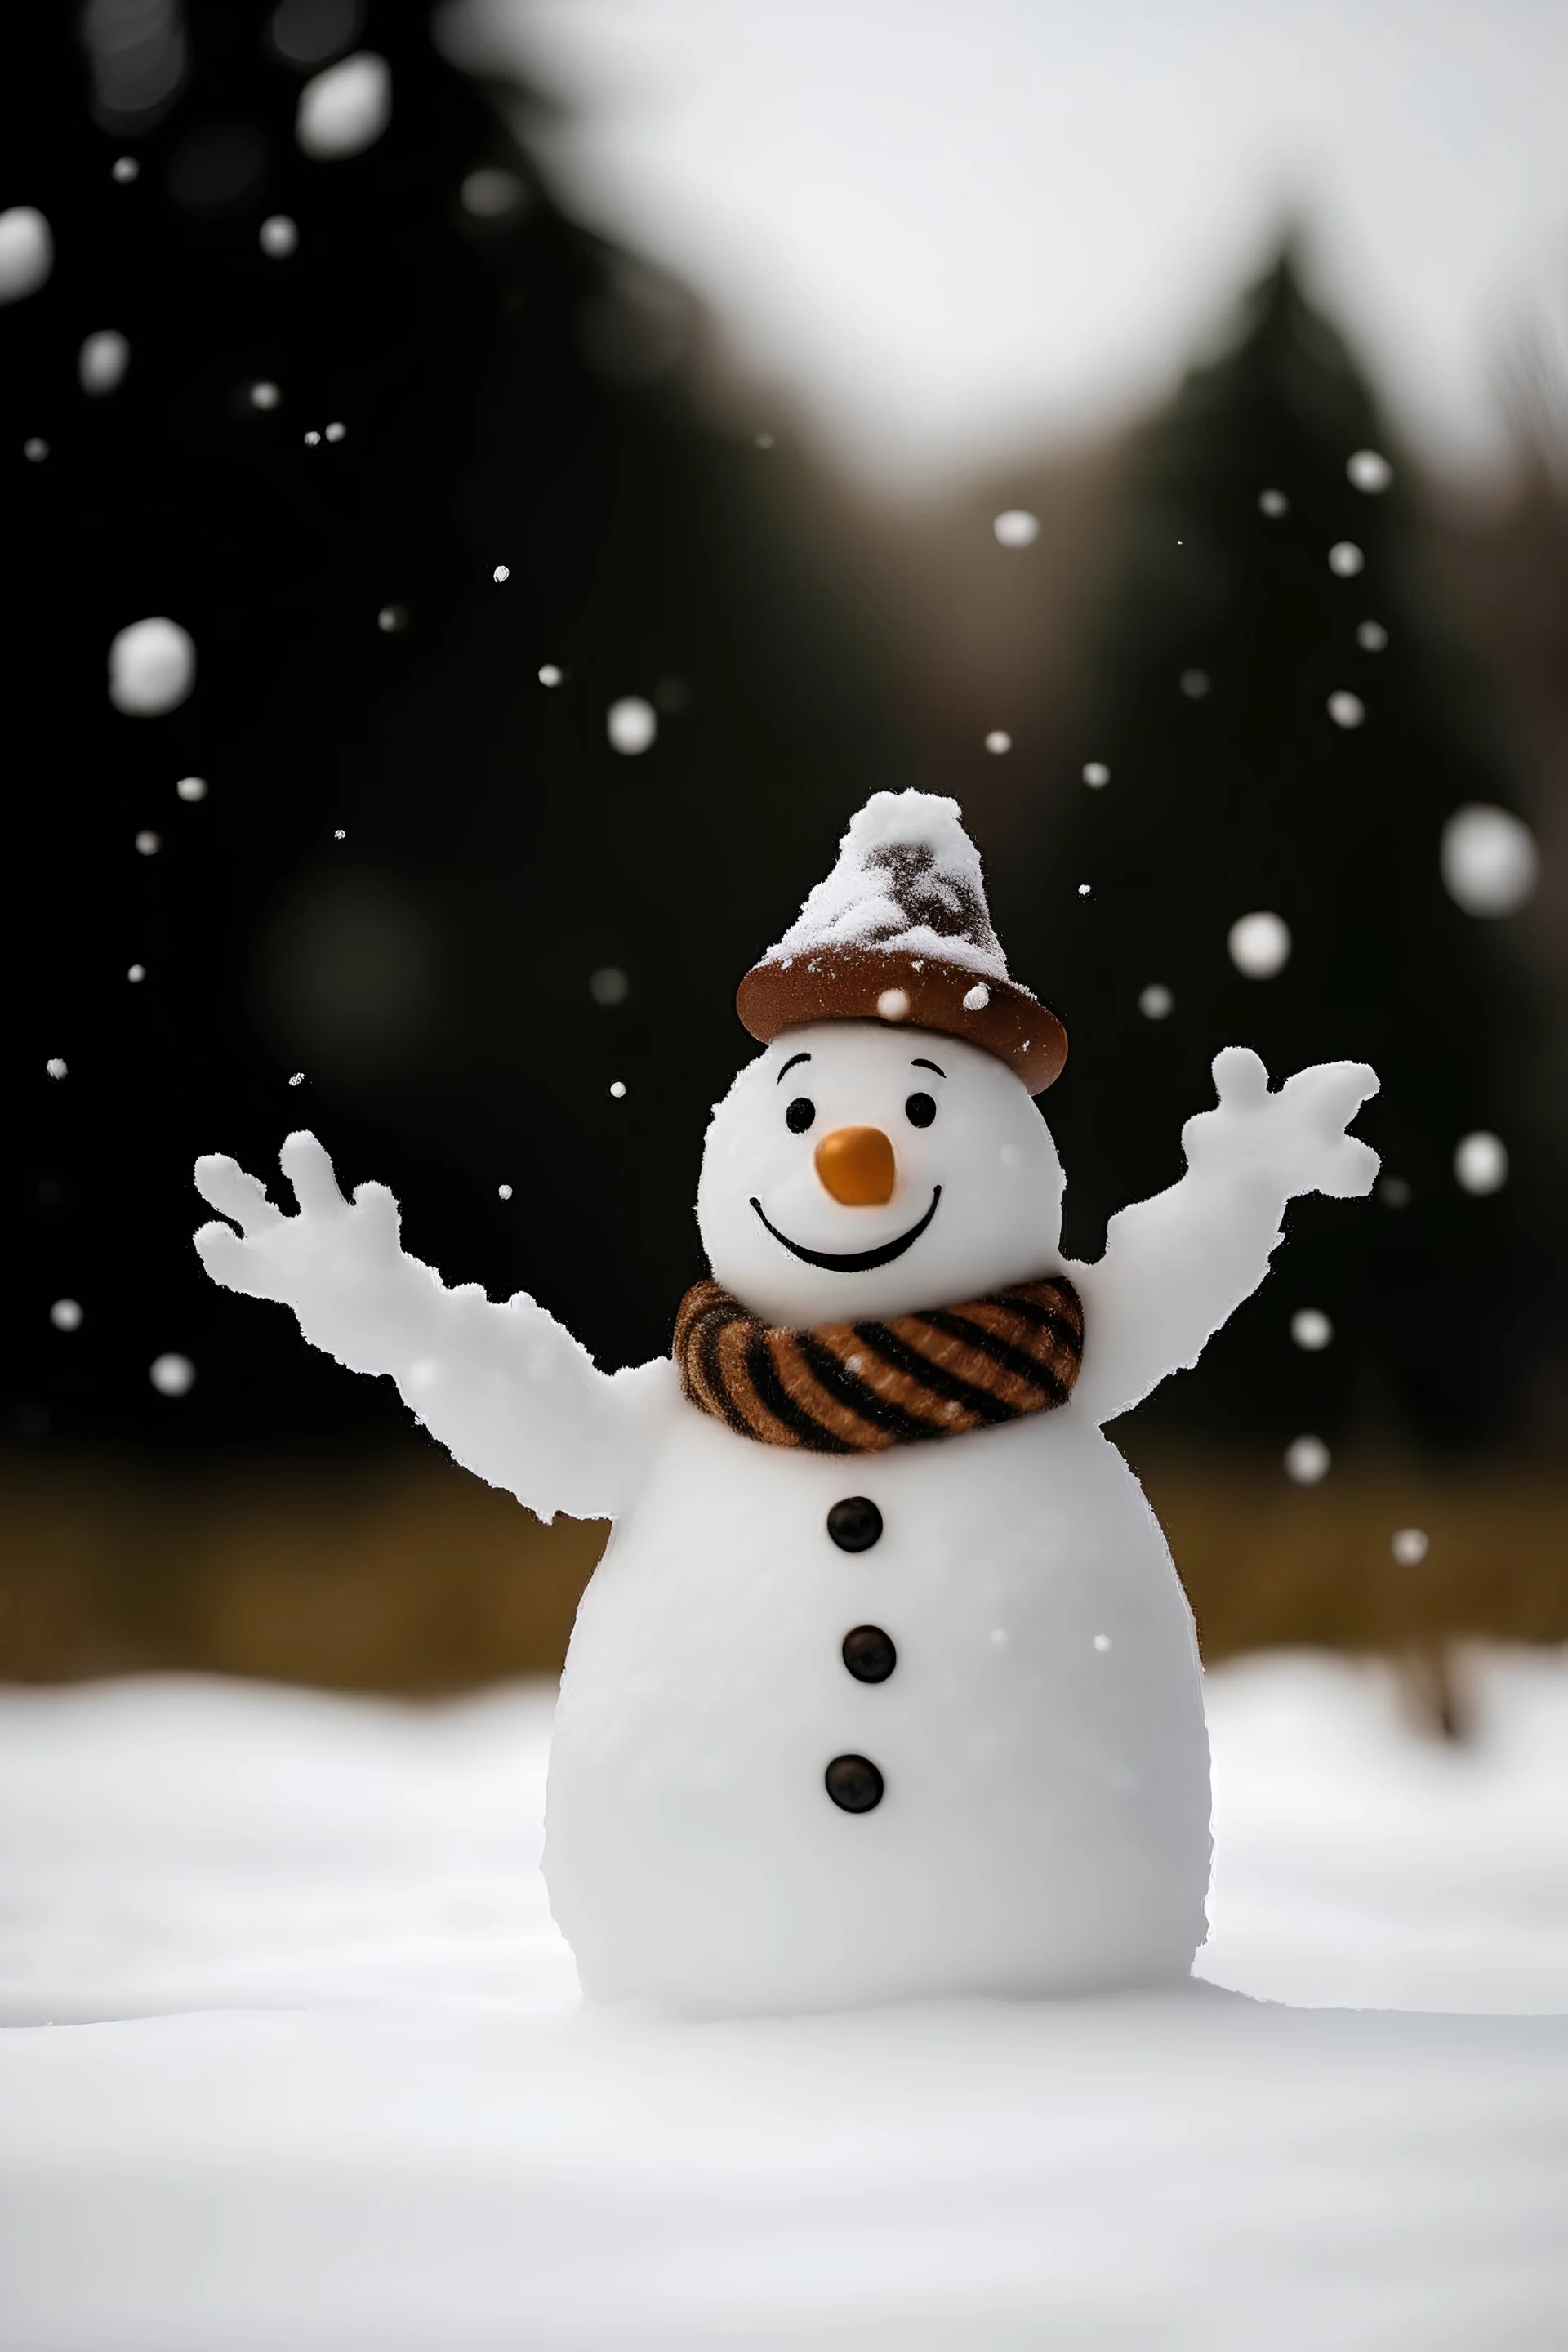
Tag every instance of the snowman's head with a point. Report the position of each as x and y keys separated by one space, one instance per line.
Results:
x=860 y=1168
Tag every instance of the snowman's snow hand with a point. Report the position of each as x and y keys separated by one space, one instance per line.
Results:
x=1294 y=1140
x=340 y=1267
x=309 y=1168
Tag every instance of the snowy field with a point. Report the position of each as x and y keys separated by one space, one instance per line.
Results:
x=298 y=2063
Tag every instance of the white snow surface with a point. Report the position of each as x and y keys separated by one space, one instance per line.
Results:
x=300 y=2061
x=855 y=906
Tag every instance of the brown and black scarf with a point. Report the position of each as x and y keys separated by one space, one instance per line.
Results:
x=858 y=1388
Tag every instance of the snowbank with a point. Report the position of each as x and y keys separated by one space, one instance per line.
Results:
x=388 y=2126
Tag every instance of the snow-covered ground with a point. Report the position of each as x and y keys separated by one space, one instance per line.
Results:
x=299 y=2063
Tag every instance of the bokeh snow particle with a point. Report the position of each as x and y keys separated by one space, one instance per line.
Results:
x=1307 y=1461
x=1195 y=684
x=618 y=1089
x=313 y=440
x=1488 y=859
x=1372 y=636
x=296 y=1078
x=1410 y=1546
x=1310 y=1329
x=345 y=109
x=1346 y=710
x=1103 y=1643
x=102 y=360
x=1084 y=889
x=503 y=1191
x=1274 y=503
x=137 y=973
x=26 y=252
x=123 y=170
x=1368 y=471
x=998 y=740
x=391 y=618
x=1345 y=559
x=264 y=395
x=503 y=572
x=1480 y=1162
x=1394 y=1192
x=172 y=1376
x=1259 y=944
x=65 y=1315
x=278 y=237
x=55 y=1066
x=36 y=450
x=148 y=843
x=1096 y=775
x=192 y=788
x=1154 y=1002
x=490 y=193
x=550 y=674
x=1017 y=527
x=608 y=985
x=631 y=724
x=152 y=667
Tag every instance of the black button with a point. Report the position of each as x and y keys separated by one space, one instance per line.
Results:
x=855 y=1524
x=869 y=1654
x=854 y=1783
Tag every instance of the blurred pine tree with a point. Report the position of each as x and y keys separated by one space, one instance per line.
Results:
x=1287 y=728
x=412 y=856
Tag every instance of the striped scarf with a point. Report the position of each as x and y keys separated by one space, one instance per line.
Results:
x=858 y=1388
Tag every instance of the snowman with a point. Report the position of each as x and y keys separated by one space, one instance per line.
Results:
x=884 y=1686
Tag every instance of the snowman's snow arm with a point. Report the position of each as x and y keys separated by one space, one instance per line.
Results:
x=510 y=1393
x=1176 y=1267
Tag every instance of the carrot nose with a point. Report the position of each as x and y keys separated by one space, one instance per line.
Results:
x=855 y=1164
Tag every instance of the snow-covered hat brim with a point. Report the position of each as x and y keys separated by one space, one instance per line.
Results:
x=894 y=986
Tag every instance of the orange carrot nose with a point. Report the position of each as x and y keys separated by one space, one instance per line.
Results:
x=855 y=1164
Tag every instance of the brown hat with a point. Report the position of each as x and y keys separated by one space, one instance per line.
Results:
x=900 y=932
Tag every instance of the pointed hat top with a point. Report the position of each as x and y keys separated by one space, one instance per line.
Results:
x=900 y=932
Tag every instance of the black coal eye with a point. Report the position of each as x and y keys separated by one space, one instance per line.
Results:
x=800 y=1114
x=919 y=1111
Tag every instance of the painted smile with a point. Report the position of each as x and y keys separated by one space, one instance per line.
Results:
x=853 y=1261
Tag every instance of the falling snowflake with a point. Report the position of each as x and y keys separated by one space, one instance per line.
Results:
x=1480 y=1162
x=1307 y=1461
x=1259 y=944
x=1369 y=471
x=631 y=724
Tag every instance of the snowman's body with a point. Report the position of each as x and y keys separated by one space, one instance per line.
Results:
x=1027 y=1807
x=1046 y=1822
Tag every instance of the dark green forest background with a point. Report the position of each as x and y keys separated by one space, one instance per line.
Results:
x=516 y=392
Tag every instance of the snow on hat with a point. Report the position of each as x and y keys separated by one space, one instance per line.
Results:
x=900 y=932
